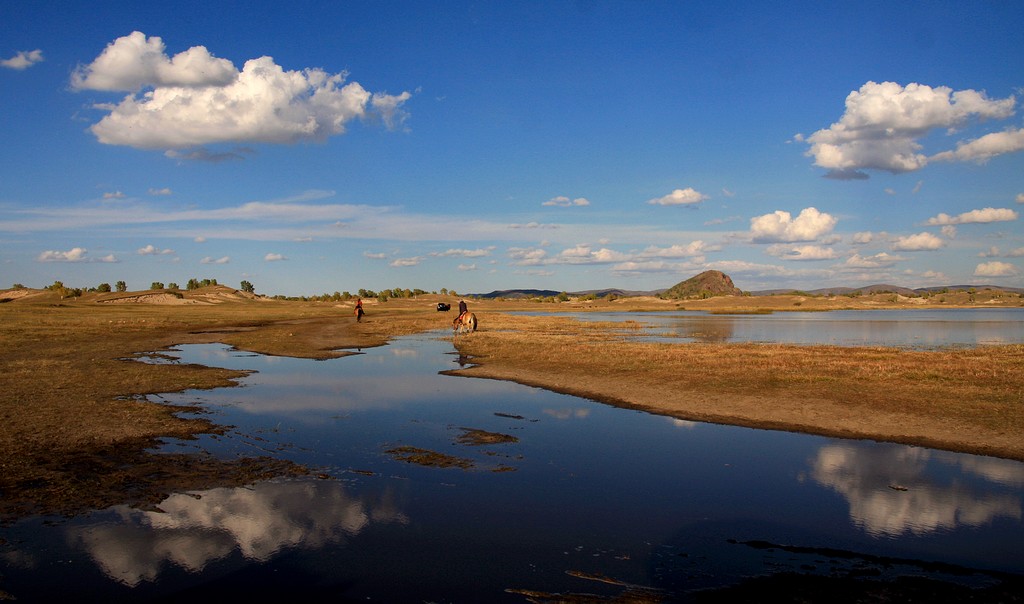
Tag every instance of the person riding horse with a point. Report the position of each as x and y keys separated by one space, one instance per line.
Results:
x=463 y=309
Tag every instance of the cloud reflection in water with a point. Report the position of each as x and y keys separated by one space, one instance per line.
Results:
x=192 y=530
x=873 y=479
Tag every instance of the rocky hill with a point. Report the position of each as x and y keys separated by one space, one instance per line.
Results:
x=704 y=285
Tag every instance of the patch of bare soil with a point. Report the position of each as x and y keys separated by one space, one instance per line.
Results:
x=477 y=438
x=426 y=457
x=155 y=298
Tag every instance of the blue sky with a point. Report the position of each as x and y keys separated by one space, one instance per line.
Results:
x=320 y=147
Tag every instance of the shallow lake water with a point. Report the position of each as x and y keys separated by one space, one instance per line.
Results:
x=923 y=329
x=581 y=490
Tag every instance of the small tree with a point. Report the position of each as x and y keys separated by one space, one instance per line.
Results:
x=103 y=288
x=65 y=292
x=156 y=285
x=192 y=284
x=121 y=286
x=248 y=287
x=173 y=286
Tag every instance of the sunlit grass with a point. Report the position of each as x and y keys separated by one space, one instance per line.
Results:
x=980 y=388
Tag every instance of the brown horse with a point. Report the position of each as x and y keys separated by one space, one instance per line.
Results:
x=465 y=322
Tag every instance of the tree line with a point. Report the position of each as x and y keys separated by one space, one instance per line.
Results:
x=367 y=294
x=383 y=295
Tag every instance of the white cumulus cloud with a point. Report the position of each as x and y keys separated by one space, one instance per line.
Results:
x=781 y=227
x=527 y=256
x=76 y=254
x=23 y=59
x=986 y=147
x=584 y=254
x=134 y=61
x=883 y=122
x=995 y=269
x=212 y=260
x=918 y=242
x=194 y=99
x=975 y=216
x=687 y=196
x=151 y=250
x=565 y=202
x=272 y=257
x=694 y=248
x=880 y=260
x=863 y=237
x=802 y=252
x=463 y=253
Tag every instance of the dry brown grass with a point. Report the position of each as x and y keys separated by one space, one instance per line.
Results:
x=959 y=399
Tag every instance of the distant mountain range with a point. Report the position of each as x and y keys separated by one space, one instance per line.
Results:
x=546 y=293
x=689 y=284
x=883 y=288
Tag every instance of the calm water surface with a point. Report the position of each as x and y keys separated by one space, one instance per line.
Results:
x=933 y=328
x=585 y=489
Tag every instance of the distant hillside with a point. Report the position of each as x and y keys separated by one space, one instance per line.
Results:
x=518 y=293
x=622 y=293
x=999 y=288
x=715 y=283
x=704 y=285
x=882 y=288
x=513 y=294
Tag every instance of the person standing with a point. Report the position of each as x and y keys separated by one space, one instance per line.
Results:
x=359 y=310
